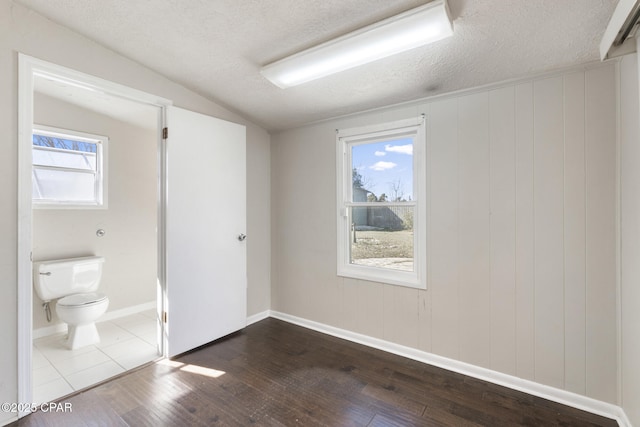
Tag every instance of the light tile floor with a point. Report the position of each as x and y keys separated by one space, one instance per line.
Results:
x=125 y=343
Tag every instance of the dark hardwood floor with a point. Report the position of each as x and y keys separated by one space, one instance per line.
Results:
x=276 y=374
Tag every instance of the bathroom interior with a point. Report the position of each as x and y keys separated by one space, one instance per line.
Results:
x=122 y=235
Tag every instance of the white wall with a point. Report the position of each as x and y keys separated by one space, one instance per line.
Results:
x=22 y=30
x=630 y=236
x=130 y=243
x=522 y=232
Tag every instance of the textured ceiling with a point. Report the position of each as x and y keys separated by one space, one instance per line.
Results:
x=216 y=47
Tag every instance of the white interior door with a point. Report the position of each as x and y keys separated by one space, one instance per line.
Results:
x=206 y=214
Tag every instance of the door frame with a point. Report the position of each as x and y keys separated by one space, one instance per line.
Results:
x=28 y=67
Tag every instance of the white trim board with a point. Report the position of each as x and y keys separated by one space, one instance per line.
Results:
x=536 y=389
x=619 y=21
x=255 y=318
x=127 y=311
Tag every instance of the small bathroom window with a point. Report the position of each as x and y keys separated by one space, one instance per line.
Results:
x=69 y=169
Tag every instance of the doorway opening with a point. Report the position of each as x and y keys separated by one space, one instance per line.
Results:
x=125 y=227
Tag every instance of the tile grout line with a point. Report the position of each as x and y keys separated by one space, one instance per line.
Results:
x=116 y=361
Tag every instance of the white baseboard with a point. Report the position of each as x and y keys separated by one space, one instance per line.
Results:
x=258 y=317
x=109 y=315
x=8 y=418
x=49 y=330
x=127 y=311
x=623 y=420
x=546 y=392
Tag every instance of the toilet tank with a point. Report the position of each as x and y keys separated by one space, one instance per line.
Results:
x=61 y=277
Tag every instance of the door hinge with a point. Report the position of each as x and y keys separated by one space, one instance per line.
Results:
x=165 y=133
x=164 y=316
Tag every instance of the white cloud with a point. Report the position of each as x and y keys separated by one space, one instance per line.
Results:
x=380 y=153
x=403 y=149
x=382 y=166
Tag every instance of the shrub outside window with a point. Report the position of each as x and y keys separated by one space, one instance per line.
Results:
x=68 y=169
x=382 y=203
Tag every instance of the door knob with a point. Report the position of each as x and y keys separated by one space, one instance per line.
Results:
x=241 y=237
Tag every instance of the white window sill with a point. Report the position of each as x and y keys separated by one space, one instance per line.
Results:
x=408 y=279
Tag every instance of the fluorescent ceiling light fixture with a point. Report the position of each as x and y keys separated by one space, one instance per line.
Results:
x=408 y=30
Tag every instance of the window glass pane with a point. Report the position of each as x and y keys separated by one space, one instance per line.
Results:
x=64 y=158
x=63 y=185
x=382 y=171
x=66 y=169
x=63 y=143
x=382 y=236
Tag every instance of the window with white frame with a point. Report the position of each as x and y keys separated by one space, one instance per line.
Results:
x=69 y=169
x=381 y=195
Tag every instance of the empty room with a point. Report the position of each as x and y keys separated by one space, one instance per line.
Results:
x=322 y=213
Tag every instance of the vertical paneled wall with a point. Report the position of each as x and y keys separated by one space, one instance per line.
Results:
x=630 y=235
x=521 y=237
x=600 y=248
x=548 y=224
x=574 y=231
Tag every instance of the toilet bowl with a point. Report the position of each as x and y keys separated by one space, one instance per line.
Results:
x=80 y=312
x=73 y=282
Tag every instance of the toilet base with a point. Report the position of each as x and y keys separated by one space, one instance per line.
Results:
x=82 y=336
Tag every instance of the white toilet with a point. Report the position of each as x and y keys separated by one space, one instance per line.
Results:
x=75 y=282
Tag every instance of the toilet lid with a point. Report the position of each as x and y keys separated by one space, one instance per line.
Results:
x=82 y=299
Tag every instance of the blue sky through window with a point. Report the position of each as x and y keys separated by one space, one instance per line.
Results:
x=63 y=143
x=384 y=165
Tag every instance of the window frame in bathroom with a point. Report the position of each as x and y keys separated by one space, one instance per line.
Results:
x=99 y=200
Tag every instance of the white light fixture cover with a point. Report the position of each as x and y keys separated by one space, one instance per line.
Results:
x=408 y=30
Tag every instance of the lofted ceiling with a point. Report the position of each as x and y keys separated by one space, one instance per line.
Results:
x=135 y=113
x=216 y=47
